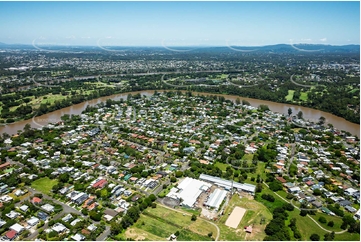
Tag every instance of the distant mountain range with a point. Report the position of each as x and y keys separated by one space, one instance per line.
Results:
x=278 y=48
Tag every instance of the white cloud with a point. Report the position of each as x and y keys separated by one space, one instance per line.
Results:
x=323 y=40
x=308 y=40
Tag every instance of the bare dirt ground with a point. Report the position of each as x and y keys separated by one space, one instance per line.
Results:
x=235 y=217
x=130 y=233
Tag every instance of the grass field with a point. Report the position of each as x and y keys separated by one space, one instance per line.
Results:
x=221 y=166
x=159 y=223
x=304 y=96
x=304 y=224
x=289 y=97
x=253 y=216
x=44 y=184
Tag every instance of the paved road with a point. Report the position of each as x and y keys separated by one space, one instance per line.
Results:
x=291 y=158
x=104 y=235
x=301 y=85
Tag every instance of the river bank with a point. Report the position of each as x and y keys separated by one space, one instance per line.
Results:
x=308 y=113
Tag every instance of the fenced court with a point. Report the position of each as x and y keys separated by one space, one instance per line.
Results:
x=235 y=217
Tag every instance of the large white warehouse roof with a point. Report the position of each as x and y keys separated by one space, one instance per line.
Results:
x=228 y=184
x=189 y=191
x=216 y=198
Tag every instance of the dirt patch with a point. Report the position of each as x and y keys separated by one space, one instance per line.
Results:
x=130 y=233
x=170 y=202
x=255 y=231
x=235 y=217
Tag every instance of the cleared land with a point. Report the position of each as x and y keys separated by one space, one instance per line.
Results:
x=44 y=185
x=289 y=97
x=256 y=215
x=159 y=223
x=235 y=217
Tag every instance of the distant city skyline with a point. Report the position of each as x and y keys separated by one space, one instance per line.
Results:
x=179 y=23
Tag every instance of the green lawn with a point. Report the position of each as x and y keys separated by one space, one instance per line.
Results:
x=248 y=157
x=289 y=97
x=304 y=224
x=304 y=96
x=44 y=184
x=347 y=237
x=164 y=192
x=221 y=166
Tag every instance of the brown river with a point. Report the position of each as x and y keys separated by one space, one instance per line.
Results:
x=308 y=113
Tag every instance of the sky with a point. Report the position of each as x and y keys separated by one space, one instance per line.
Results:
x=179 y=23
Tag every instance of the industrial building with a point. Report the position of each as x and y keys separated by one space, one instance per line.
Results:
x=188 y=191
x=226 y=184
x=216 y=198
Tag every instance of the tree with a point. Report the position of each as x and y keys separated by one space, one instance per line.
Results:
x=330 y=224
x=327 y=237
x=96 y=216
x=152 y=197
x=322 y=220
x=322 y=120
x=259 y=187
x=238 y=101
x=289 y=111
x=315 y=237
x=194 y=217
x=317 y=192
x=178 y=174
x=303 y=213
x=276 y=186
x=126 y=221
x=300 y=115
x=246 y=103
x=173 y=179
x=64 y=177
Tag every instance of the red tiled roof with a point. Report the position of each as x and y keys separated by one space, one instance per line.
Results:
x=6 y=164
x=101 y=183
x=281 y=179
x=11 y=234
x=36 y=200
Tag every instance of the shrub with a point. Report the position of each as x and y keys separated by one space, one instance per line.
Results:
x=268 y=197
x=330 y=223
x=288 y=207
x=315 y=237
x=303 y=213
x=322 y=220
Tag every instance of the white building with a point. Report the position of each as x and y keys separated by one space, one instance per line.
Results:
x=33 y=221
x=47 y=207
x=228 y=184
x=17 y=227
x=189 y=190
x=78 y=237
x=216 y=198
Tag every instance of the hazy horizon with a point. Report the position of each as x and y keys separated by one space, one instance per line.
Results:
x=152 y=24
